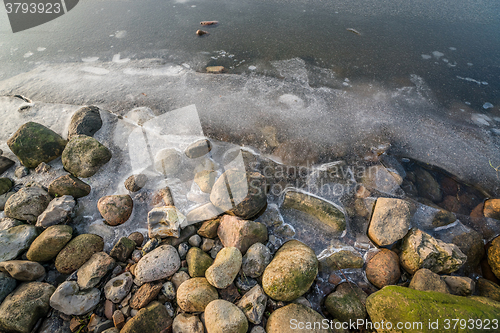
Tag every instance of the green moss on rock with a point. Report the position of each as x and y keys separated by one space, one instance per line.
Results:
x=84 y=156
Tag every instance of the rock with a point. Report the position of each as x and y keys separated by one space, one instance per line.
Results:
x=198 y=148
x=195 y=241
x=21 y=310
x=137 y=237
x=344 y=258
x=150 y=245
x=91 y=272
x=224 y=317
x=256 y=260
x=21 y=171
x=7 y=285
x=487 y=288
x=460 y=285
x=183 y=249
x=186 y=323
x=77 y=252
x=207 y=244
x=168 y=290
x=117 y=288
x=347 y=303
x=205 y=180
x=179 y=278
x=215 y=69
x=247 y=196
x=57 y=212
x=390 y=221
x=235 y=232
x=118 y=319
x=123 y=249
x=427 y=186
x=209 y=228
x=85 y=121
x=288 y=318
x=55 y=324
x=69 y=300
x=326 y=212
x=384 y=180
x=7 y=223
x=165 y=222
x=69 y=185
x=4 y=198
x=5 y=164
x=187 y=232
x=421 y=250
x=22 y=270
x=27 y=204
x=84 y=156
x=253 y=304
x=383 y=268
x=135 y=183
x=115 y=209
x=43 y=168
x=291 y=273
x=425 y=280
x=103 y=326
x=202 y=213
x=34 y=143
x=492 y=208
x=245 y=283
x=168 y=161
x=112 y=330
x=494 y=256
x=195 y=294
x=152 y=319
x=198 y=262
x=226 y=266
x=46 y=246
x=230 y=294
x=258 y=329
x=158 y=264
x=146 y=293
x=163 y=197
x=5 y=185
x=398 y=304
x=16 y=240
x=472 y=245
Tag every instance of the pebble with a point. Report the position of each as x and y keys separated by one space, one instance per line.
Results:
x=22 y=270
x=226 y=266
x=70 y=300
x=195 y=294
x=195 y=240
x=158 y=264
x=117 y=288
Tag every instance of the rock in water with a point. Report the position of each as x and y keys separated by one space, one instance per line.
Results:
x=390 y=221
x=399 y=304
x=69 y=300
x=21 y=310
x=347 y=303
x=84 y=156
x=291 y=273
x=288 y=318
x=115 y=209
x=224 y=317
x=152 y=319
x=86 y=121
x=69 y=185
x=383 y=268
x=77 y=252
x=5 y=185
x=168 y=161
x=239 y=193
x=27 y=204
x=135 y=183
x=34 y=143
x=421 y=250
x=16 y=240
x=58 y=211
x=324 y=211
x=5 y=164
x=492 y=208
x=52 y=240
x=158 y=264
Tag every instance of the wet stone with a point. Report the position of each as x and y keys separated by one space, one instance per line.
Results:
x=341 y=259
x=84 y=156
x=205 y=180
x=198 y=148
x=492 y=208
x=206 y=212
x=58 y=211
x=115 y=209
x=135 y=183
x=168 y=161
x=86 y=121
x=69 y=185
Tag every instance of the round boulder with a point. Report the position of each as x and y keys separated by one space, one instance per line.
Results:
x=158 y=264
x=115 y=209
x=383 y=268
x=224 y=317
x=195 y=294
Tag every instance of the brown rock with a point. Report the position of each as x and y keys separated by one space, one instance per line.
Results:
x=390 y=221
x=22 y=270
x=69 y=185
x=383 y=268
x=477 y=212
x=494 y=256
x=426 y=280
x=137 y=237
x=146 y=293
x=492 y=208
x=235 y=232
x=135 y=183
x=209 y=228
x=488 y=289
x=194 y=295
x=109 y=309
x=118 y=319
x=230 y=293
x=115 y=209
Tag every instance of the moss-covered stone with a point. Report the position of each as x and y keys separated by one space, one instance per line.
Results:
x=487 y=288
x=347 y=303
x=346 y=258
x=84 y=156
x=5 y=185
x=34 y=143
x=198 y=262
x=123 y=249
x=494 y=256
x=49 y=243
x=291 y=273
x=77 y=252
x=398 y=304
x=69 y=185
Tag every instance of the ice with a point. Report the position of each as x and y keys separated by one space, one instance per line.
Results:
x=41 y=49
x=121 y=34
x=487 y=105
x=252 y=68
x=480 y=119
x=28 y=54
x=90 y=59
x=452 y=48
x=117 y=59
x=437 y=54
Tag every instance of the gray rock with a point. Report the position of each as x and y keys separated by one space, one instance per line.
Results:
x=253 y=304
x=187 y=323
x=224 y=317
x=165 y=222
x=179 y=278
x=55 y=324
x=205 y=180
x=168 y=290
x=225 y=268
x=5 y=164
x=158 y=264
x=168 y=161
x=57 y=212
x=21 y=171
x=34 y=143
x=425 y=280
x=22 y=270
x=69 y=300
x=43 y=168
x=117 y=288
x=207 y=244
x=52 y=240
x=183 y=249
x=27 y=204
x=198 y=148
x=390 y=221
x=460 y=285
x=7 y=285
x=8 y=222
x=421 y=250
x=256 y=260
x=21 y=310
x=91 y=273
x=258 y=329
x=84 y=156
x=384 y=180
x=16 y=240
x=86 y=120
x=195 y=240
x=102 y=327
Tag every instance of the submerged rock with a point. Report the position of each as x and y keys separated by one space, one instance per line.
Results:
x=198 y=148
x=168 y=161
x=291 y=273
x=34 y=143
x=70 y=300
x=492 y=208
x=390 y=221
x=342 y=258
x=69 y=185
x=46 y=246
x=16 y=240
x=115 y=209
x=383 y=268
x=427 y=186
x=135 y=183
x=84 y=156
x=323 y=210
x=27 y=204
x=205 y=180
x=85 y=121
x=207 y=212
x=58 y=211
x=347 y=303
